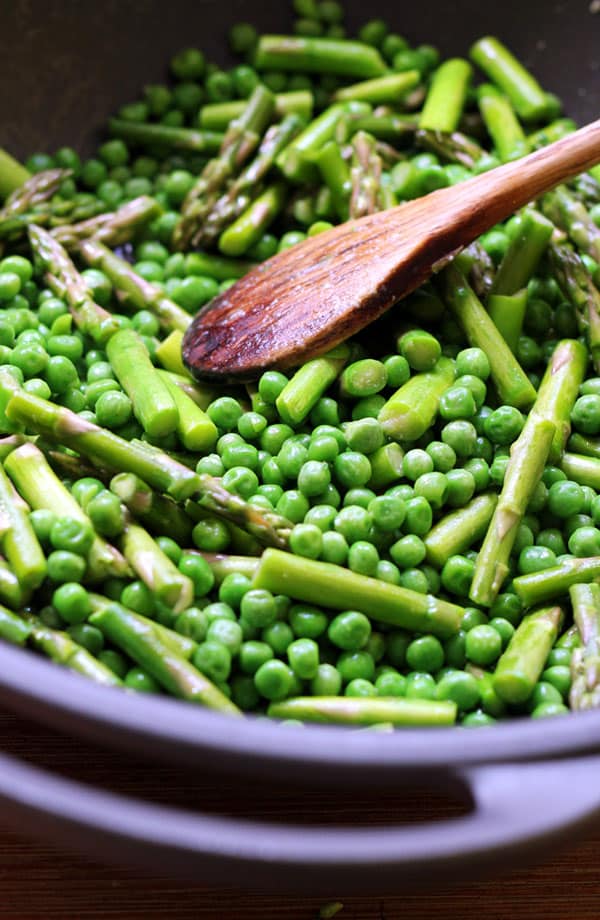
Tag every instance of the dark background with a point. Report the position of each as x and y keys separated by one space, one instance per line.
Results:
x=67 y=64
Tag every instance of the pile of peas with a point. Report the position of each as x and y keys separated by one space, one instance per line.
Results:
x=354 y=498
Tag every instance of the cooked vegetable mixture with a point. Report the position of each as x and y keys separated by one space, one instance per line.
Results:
x=404 y=531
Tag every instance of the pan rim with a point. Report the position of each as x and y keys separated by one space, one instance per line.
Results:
x=179 y=732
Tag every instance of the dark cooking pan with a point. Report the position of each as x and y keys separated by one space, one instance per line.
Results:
x=65 y=66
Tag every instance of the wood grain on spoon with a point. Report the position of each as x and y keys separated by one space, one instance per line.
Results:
x=307 y=299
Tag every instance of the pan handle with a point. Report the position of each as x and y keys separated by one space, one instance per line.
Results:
x=516 y=809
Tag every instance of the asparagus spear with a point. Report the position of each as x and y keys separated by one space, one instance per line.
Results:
x=181 y=645
x=528 y=98
x=584 y=470
x=457 y=531
x=386 y=466
x=507 y=312
x=447 y=96
x=539 y=587
x=11 y=591
x=155 y=568
x=64 y=279
x=520 y=666
x=155 y=511
x=524 y=253
x=13 y=628
x=513 y=385
x=561 y=127
x=244 y=232
x=340 y=589
x=201 y=395
x=61 y=648
x=501 y=122
x=365 y=176
x=153 y=404
x=572 y=216
x=585 y=662
x=242 y=190
x=580 y=444
x=391 y=88
x=318 y=55
x=144 y=134
x=528 y=457
x=12 y=174
x=477 y=267
x=452 y=146
x=19 y=542
x=336 y=175
x=294 y=161
x=577 y=286
x=41 y=488
x=412 y=409
x=153 y=466
x=222 y=565
x=141 y=640
x=347 y=711
x=308 y=384
x=113 y=228
x=559 y=390
x=195 y=429
x=20 y=207
x=218 y=115
x=143 y=294
x=490 y=701
x=239 y=142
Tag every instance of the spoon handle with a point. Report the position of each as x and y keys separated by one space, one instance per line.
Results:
x=493 y=196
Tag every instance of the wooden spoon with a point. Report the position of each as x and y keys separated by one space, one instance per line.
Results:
x=311 y=297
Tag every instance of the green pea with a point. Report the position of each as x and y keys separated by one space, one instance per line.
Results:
x=419 y=516
x=565 y=498
x=306 y=540
x=457 y=575
x=192 y=622
x=457 y=402
x=442 y=455
x=420 y=349
x=279 y=636
x=326 y=682
x=213 y=659
x=211 y=535
x=355 y=664
x=352 y=469
x=65 y=566
x=408 y=551
x=139 y=680
x=72 y=535
x=459 y=687
x=349 y=631
x=387 y=512
x=420 y=685
x=335 y=548
x=585 y=541
x=198 y=569
x=257 y=607
x=72 y=602
x=354 y=523
x=363 y=378
x=425 y=654
x=273 y=680
x=106 y=514
x=303 y=657
x=483 y=645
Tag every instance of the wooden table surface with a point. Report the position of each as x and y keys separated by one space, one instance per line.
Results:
x=41 y=880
